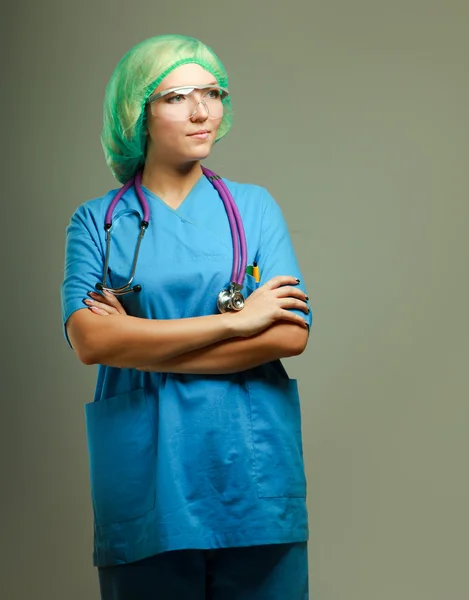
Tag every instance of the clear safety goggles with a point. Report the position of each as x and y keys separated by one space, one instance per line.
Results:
x=181 y=103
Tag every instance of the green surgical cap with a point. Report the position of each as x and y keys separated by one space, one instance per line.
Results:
x=136 y=76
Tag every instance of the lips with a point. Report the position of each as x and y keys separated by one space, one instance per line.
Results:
x=201 y=132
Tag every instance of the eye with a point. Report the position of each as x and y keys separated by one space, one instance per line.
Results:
x=176 y=99
x=214 y=94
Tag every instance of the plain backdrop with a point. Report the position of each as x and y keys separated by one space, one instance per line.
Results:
x=354 y=114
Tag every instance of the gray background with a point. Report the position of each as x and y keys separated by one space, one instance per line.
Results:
x=354 y=115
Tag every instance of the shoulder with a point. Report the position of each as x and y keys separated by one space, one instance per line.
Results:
x=92 y=212
x=238 y=188
x=250 y=193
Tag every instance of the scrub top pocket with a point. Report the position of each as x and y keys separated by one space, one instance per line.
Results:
x=277 y=442
x=122 y=457
x=250 y=285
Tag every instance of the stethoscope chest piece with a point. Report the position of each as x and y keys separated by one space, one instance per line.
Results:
x=231 y=299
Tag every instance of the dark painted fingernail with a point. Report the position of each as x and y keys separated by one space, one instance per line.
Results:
x=307 y=298
x=298 y=281
x=86 y=301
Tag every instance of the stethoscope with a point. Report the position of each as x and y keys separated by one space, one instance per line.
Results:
x=230 y=298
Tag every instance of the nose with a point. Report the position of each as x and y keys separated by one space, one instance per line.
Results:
x=200 y=112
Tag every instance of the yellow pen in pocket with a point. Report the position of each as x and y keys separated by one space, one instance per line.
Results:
x=256 y=272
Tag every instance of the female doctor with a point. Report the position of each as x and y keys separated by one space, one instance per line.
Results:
x=194 y=434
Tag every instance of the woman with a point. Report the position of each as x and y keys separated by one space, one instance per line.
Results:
x=194 y=434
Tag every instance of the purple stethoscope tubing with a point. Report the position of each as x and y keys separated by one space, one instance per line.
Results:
x=236 y=225
x=234 y=218
x=137 y=182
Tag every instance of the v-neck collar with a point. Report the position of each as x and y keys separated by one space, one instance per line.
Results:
x=180 y=209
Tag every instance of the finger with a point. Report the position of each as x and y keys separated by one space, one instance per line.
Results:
x=293 y=318
x=99 y=297
x=280 y=280
x=110 y=299
x=98 y=311
x=289 y=303
x=294 y=292
x=115 y=302
x=101 y=305
x=104 y=296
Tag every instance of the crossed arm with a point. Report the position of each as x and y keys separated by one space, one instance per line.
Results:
x=203 y=345
x=281 y=340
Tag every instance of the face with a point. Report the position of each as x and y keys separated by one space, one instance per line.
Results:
x=180 y=142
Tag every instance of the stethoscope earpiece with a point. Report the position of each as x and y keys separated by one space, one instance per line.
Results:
x=120 y=291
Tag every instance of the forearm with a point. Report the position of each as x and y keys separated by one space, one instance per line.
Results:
x=238 y=354
x=129 y=342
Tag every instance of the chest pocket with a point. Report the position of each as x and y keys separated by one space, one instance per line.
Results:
x=250 y=285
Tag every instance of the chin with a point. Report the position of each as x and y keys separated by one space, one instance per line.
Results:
x=202 y=152
x=203 y=155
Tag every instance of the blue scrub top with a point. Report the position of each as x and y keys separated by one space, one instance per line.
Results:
x=187 y=461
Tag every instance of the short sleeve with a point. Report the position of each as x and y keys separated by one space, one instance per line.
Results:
x=276 y=255
x=83 y=268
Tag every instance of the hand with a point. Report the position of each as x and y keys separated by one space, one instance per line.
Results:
x=268 y=304
x=104 y=304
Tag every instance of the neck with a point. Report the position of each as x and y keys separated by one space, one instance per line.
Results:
x=170 y=183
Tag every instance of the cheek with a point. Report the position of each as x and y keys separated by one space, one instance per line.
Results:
x=216 y=126
x=165 y=133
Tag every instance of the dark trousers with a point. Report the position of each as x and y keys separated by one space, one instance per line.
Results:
x=273 y=572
